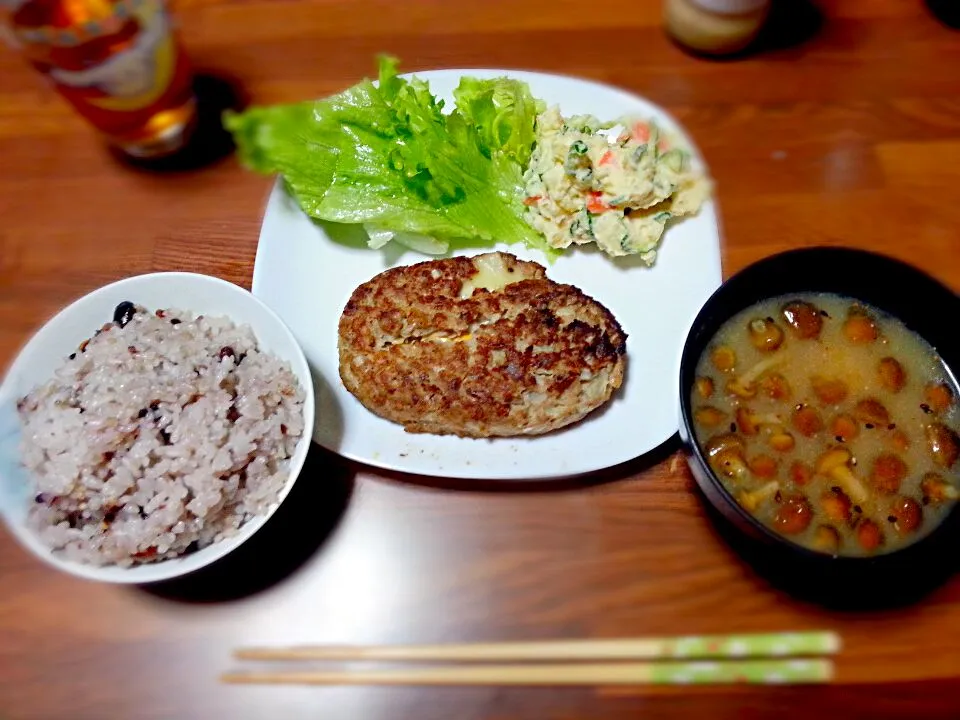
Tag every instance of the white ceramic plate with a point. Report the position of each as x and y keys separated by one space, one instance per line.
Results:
x=61 y=335
x=307 y=278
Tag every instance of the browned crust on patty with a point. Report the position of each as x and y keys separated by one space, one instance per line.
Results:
x=525 y=359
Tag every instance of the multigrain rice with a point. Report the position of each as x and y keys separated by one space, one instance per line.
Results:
x=158 y=437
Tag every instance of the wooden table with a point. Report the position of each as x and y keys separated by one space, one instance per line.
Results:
x=852 y=137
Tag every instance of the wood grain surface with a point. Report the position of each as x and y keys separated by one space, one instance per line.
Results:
x=846 y=134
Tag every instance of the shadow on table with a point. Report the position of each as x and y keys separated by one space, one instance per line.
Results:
x=306 y=519
x=567 y=483
x=887 y=587
x=210 y=142
x=946 y=11
x=790 y=24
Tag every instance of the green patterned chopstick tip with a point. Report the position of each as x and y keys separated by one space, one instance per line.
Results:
x=750 y=672
x=755 y=645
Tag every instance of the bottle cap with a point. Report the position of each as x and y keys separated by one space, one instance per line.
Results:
x=730 y=7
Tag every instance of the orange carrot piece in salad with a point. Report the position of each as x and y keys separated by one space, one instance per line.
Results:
x=595 y=204
x=640 y=132
x=608 y=158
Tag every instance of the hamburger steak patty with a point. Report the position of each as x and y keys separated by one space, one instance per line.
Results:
x=478 y=347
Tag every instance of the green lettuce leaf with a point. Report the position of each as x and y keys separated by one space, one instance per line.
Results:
x=387 y=156
x=500 y=111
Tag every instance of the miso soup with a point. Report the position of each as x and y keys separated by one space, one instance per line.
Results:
x=830 y=422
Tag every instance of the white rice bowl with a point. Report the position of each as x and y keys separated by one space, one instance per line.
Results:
x=161 y=445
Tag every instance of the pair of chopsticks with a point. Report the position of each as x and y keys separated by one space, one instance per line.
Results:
x=777 y=658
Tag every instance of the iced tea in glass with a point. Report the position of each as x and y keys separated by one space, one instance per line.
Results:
x=118 y=62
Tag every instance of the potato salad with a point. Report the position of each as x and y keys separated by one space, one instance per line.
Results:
x=585 y=184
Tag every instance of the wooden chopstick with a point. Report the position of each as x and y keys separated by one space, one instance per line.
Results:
x=688 y=647
x=792 y=672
